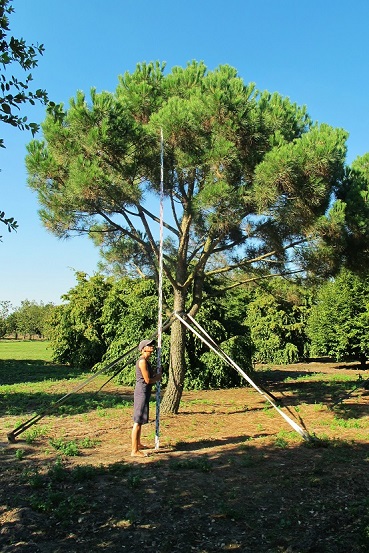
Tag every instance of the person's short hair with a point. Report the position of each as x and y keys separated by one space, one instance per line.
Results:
x=145 y=343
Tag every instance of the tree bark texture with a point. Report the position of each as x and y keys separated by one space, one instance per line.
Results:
x=173 y=392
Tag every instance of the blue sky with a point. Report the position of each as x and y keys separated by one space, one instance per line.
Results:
x=314 y=52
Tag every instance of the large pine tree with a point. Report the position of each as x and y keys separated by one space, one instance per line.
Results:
x=247 y=177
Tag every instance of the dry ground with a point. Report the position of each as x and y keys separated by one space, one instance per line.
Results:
x=230 y=473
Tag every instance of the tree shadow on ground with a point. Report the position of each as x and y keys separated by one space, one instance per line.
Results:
x=332 y=393
x=250 y=498
x=21 y=404
x=210 y=443
x=339 y=396
x=13 y=371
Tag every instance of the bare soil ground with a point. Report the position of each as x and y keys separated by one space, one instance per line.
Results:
x=230 y=474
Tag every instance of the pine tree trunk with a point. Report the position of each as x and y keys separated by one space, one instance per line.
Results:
x=173 y=392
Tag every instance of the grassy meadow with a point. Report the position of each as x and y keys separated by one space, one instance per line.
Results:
x=22 y=350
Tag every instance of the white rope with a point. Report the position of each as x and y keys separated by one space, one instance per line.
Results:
x=213 y=346
x=160 y=289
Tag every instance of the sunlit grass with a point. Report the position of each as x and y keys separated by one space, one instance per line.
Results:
x=25 y=349
x=318 y=376
x=30 y=383
x=348 y=423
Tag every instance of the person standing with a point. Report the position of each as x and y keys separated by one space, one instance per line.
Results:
x=145 y=378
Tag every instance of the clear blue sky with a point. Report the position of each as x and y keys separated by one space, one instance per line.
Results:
x=313 y=51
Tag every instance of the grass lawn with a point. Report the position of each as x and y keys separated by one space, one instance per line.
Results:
x=230 y=473
x=25 y=350
x=30 y=361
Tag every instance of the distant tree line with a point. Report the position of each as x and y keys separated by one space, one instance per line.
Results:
x=275 y=321
x=30 y=320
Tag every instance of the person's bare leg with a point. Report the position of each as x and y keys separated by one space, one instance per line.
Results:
x=136 y=441
x=140 y=444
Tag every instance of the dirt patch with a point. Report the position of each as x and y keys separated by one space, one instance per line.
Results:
x=231 y=474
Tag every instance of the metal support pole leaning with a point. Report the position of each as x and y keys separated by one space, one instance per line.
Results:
x=33 y=420
x=160 y=291
x=213 y=346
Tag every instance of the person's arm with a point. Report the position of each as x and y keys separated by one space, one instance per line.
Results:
x=145 y=373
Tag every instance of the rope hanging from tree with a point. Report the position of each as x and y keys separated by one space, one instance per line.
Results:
x=160 y=289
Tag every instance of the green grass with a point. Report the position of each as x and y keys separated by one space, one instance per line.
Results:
x=347 y=423
x=30 y=361
x=71 y=448
x=25 y=349
x=49 y=494
x=26 y=402
x=30 y=382
x=34 y=433
x=198 y=402
x=318 y=376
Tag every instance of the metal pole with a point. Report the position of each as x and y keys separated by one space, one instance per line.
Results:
x=160 y=291
x=212 y=345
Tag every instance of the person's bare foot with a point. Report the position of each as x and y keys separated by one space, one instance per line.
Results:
x=138 y=454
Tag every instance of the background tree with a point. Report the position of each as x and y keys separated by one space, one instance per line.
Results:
x=130 y=313
x=31 y=319
x=15 y=92
x=344 y=233
x=220 y=317
x=5 y=309
x=353 y=194
x=276 y=316
x=338 y=325
x=247 y=177
x=11 y=325
x=75 y=329
x=127 y=311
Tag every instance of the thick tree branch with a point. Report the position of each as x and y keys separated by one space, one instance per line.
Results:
x=157 y=220
x=133 y=234
x=221 y=291
x=245 y=262
x=174 y=212
x=153 y=246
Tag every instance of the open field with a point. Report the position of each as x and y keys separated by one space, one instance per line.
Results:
x=25 y=350
x=230 y=474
